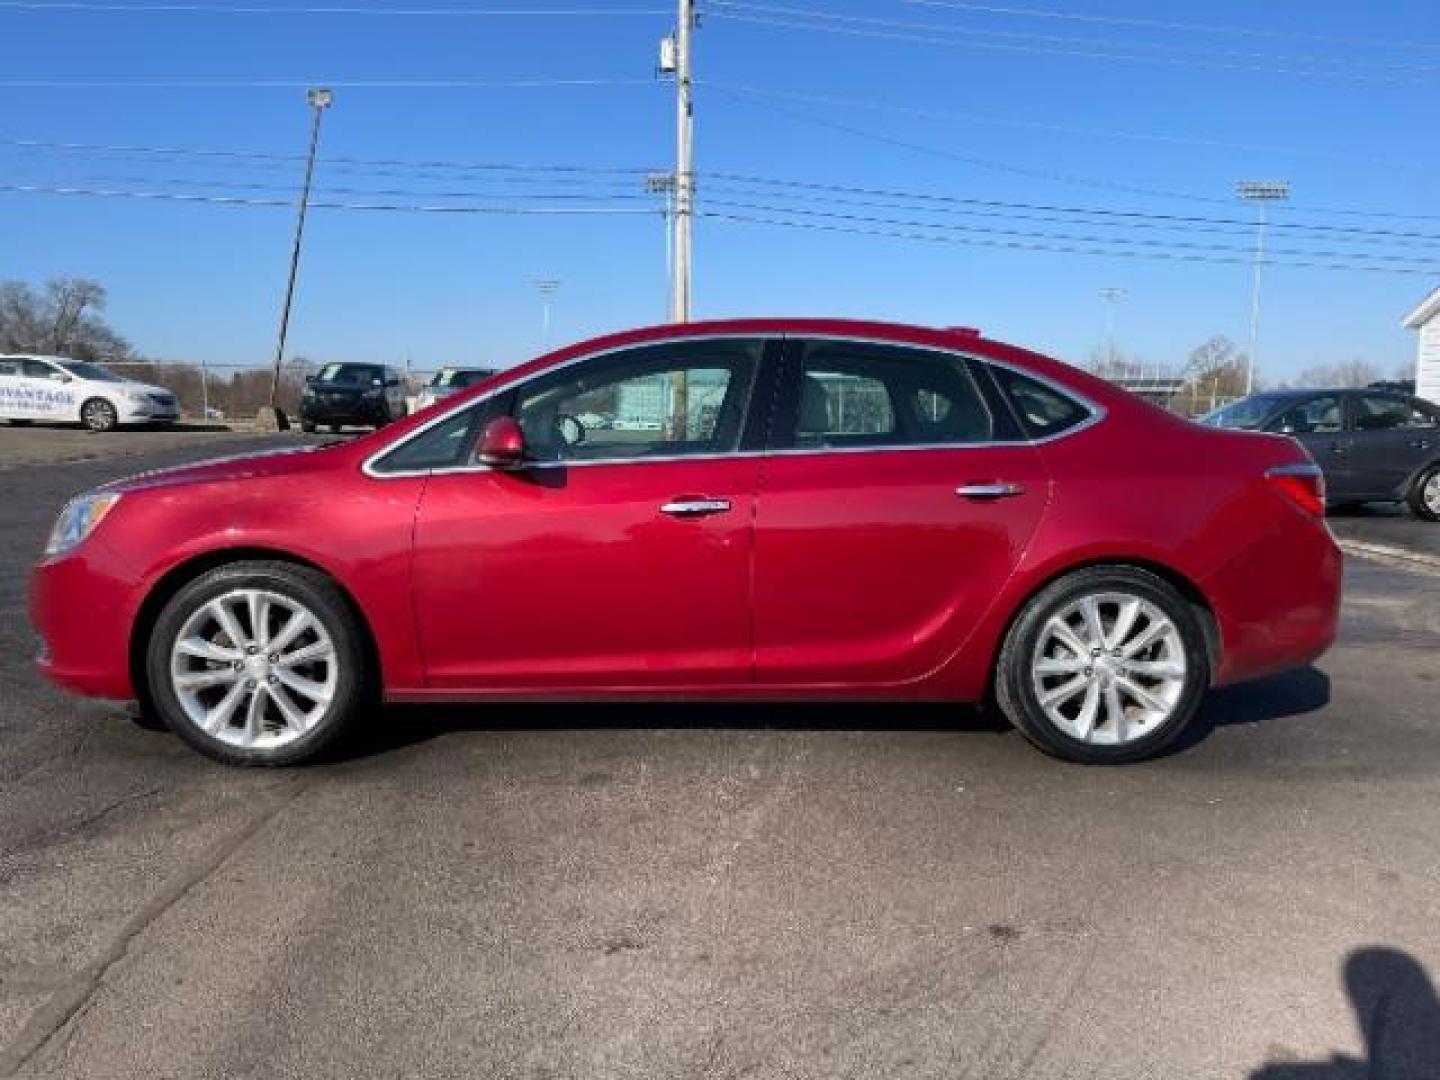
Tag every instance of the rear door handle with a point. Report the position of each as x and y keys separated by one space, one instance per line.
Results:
x=996 y=490
x=695 y=507
x=1340 y=447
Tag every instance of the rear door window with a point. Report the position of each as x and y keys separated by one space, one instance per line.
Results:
x=1375 y=412
x=857 y=395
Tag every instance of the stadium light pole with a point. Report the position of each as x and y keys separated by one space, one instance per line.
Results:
x=319 y=99
x=1111 y=294
x=546 y=287
x=1259 y=192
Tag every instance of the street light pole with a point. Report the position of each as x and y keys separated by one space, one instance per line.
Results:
x=319 y=99
x=1259 y=192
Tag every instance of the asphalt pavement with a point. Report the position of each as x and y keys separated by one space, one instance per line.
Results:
x=678 y=891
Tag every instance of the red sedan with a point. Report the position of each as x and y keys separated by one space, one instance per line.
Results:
x=760 y=509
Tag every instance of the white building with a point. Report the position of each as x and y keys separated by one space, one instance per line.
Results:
x=1426 y=319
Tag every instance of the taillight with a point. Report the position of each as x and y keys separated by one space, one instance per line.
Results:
x=1302 y=483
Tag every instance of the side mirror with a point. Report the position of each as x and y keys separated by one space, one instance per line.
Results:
x=502 y=444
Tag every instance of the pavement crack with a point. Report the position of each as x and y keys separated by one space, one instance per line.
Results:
x=76 y=995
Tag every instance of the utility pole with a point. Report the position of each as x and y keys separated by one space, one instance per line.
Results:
x=1111 y=294
x=684 y=164
x=1259 y=192
x=319 y=99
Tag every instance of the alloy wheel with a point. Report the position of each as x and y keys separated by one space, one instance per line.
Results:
x=1109 y=668
x=254 y=668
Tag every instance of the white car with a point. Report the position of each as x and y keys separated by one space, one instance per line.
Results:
x=60 y=390
x=448 y=380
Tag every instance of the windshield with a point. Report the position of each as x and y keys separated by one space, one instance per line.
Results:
x=93 y=372
x=1248 y=413
x=348 y=374
x=458 y=378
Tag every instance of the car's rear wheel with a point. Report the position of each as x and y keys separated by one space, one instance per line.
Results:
x=97 y=414
x=257 y=663
x=1105 y=665
x=1424 y=497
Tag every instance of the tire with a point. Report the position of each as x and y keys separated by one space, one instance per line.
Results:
x=305 y=705
x=1424 y=495
x=97 y=414
x=307 y=426
x=1077 y=720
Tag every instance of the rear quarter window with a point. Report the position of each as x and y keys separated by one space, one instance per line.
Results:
x=1042 y=410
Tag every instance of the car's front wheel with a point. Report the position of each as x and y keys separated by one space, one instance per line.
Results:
x=257 y=663
x=1424 y=497
x=1105 y=665
x=97 y=414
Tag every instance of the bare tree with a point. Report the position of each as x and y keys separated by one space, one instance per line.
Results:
x=1345 y=374
x=62 y=319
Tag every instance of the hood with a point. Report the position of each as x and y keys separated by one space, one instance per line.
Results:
x=289 y=461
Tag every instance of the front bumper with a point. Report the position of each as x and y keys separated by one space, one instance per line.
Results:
x=353 y=410
x=83 y=605
x=146 y=412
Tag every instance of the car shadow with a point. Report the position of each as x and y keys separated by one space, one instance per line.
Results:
x=395 y=727
x=1398 y=1014
x=1291 y=693
x=1368 y=510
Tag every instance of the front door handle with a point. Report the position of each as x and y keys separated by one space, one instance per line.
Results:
x=996 y=490
x=695 y=507
x=1339 y=447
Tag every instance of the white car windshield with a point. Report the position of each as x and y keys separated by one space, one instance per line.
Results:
x=91 y=372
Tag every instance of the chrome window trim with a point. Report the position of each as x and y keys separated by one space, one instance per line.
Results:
x=1097 y=412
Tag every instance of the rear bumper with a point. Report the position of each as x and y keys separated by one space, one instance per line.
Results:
x=83 y=605
x=1278 y=601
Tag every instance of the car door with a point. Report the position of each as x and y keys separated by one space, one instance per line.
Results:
x=897 y=499
x=1318 y=424
x=619 y=557
x=1392 y=436
x=46 y=392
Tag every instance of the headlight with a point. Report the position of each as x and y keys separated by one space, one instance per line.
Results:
x=79 y=519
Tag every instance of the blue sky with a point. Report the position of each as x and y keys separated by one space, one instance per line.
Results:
x=978 y=104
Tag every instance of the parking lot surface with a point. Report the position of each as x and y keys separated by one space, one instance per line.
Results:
x=675 y=891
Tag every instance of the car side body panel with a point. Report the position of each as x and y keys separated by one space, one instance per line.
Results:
x=1141 y=486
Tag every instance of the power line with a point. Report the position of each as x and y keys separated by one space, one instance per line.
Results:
x=311 y=9
x=530 y=172
x=833 y=101
x=1166 y=24
x=858 y=227
x=1042 y=174
x=1164 y=244
x=288 y=83
x=1061 y=248
x=945 y=36
x=1055 y=39
x=229 y=200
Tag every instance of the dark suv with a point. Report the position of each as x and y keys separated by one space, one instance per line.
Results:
x=1374 y=445
x=367 y=394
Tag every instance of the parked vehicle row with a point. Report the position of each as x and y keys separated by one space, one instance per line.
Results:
x=1373 y=445
x=812 y=509
x=449 y=380
x=55 y=389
